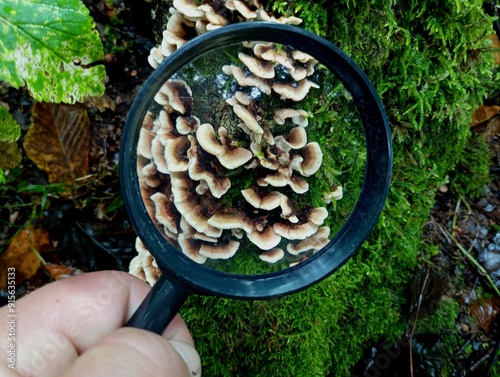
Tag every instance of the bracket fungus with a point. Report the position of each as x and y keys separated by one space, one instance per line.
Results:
x=214 y=185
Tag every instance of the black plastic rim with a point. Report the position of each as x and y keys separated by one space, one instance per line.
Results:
x=200 y=279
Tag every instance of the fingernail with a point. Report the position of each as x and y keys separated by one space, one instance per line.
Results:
x=189 y=355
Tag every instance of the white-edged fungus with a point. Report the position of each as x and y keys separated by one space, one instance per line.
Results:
x=302 y=229
x=204 y=168
x=294 y=92
x=336 y=194
x=185 y=167
x=155 y=57
x=265 y=239
x=272 y=256
x=283 y=177
x=144 y=265
x=290 y=20
x=244 y=80
x=248 y=118
x=176 y=153
x=170 y=38
x=311 y=158
x=296 y=139
x=270 y=201
x=188 y=8
x=212 y=16
x=229 y=158
x=146 y=136
x=148 y=174
x=241 y=98
x=220 y=250
x=258 y=67
x=189 y=205
x=191 y=248
x=231 y=219
x=244 y=9
x=299 y=117
x=314 y=242
x=177 y=95
x=158 y=155
x=187 y=124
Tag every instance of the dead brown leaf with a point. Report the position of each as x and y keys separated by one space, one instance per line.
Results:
x=59 y=271
x=58 y=141
x=496 y=44
x=485 y=311
x=22 y=255
x=484 y=113
x=101 y=103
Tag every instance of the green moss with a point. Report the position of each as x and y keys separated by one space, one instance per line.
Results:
x=472 y=172
x=439 y=326
x=441 y=320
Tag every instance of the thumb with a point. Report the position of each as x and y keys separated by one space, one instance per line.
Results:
x=130 y=352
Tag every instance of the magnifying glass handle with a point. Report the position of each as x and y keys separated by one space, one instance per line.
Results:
x=159 y=307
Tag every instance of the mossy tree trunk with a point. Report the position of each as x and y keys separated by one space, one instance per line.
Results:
x=429 y=62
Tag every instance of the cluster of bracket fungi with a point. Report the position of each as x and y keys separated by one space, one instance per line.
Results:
x=183 y=164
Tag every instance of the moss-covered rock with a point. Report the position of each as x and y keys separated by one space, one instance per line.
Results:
x=429 y=62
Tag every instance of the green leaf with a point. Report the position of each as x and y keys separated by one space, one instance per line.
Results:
x=9 y=129
x=10 y=156
x=50 y=45
x=115 y=204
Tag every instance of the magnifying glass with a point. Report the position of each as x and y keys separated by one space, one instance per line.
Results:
x=254 y=162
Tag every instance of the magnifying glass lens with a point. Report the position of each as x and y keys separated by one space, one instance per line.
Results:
x=250 y=158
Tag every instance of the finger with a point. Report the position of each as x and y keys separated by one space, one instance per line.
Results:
x=133 y=352
x=62 y=320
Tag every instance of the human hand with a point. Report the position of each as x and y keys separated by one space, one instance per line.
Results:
x=73 y=327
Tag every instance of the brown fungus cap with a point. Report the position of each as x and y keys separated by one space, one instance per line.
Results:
x=210 y=143
x=265 y=239
x=312 y=159
x=165 y=212
x=212 y=16
x=177 y=95
x=272 y=256
x=243 y=9
x=244 y=80
x=231 y=219
x=302 y=229
x=270 y=201
x=172 y=39
x=219 y=251
x=148 y=173
x=144 y=265
x=204 y=167
x=146 y=135
x=283 y=177
x=296 y=139
x=241 y=98
x=158 y=155
x=188 y=8
x=155 y=57
x=193 y=207
x=176 y=154
x=258 y=67
x=248 y=118
x=298 y=116
x=336 y=193
x=191 y=248
x=315 y=242
x=187 y=124
x=294 y=92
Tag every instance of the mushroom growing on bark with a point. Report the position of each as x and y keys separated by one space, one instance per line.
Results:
x=189 y=162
